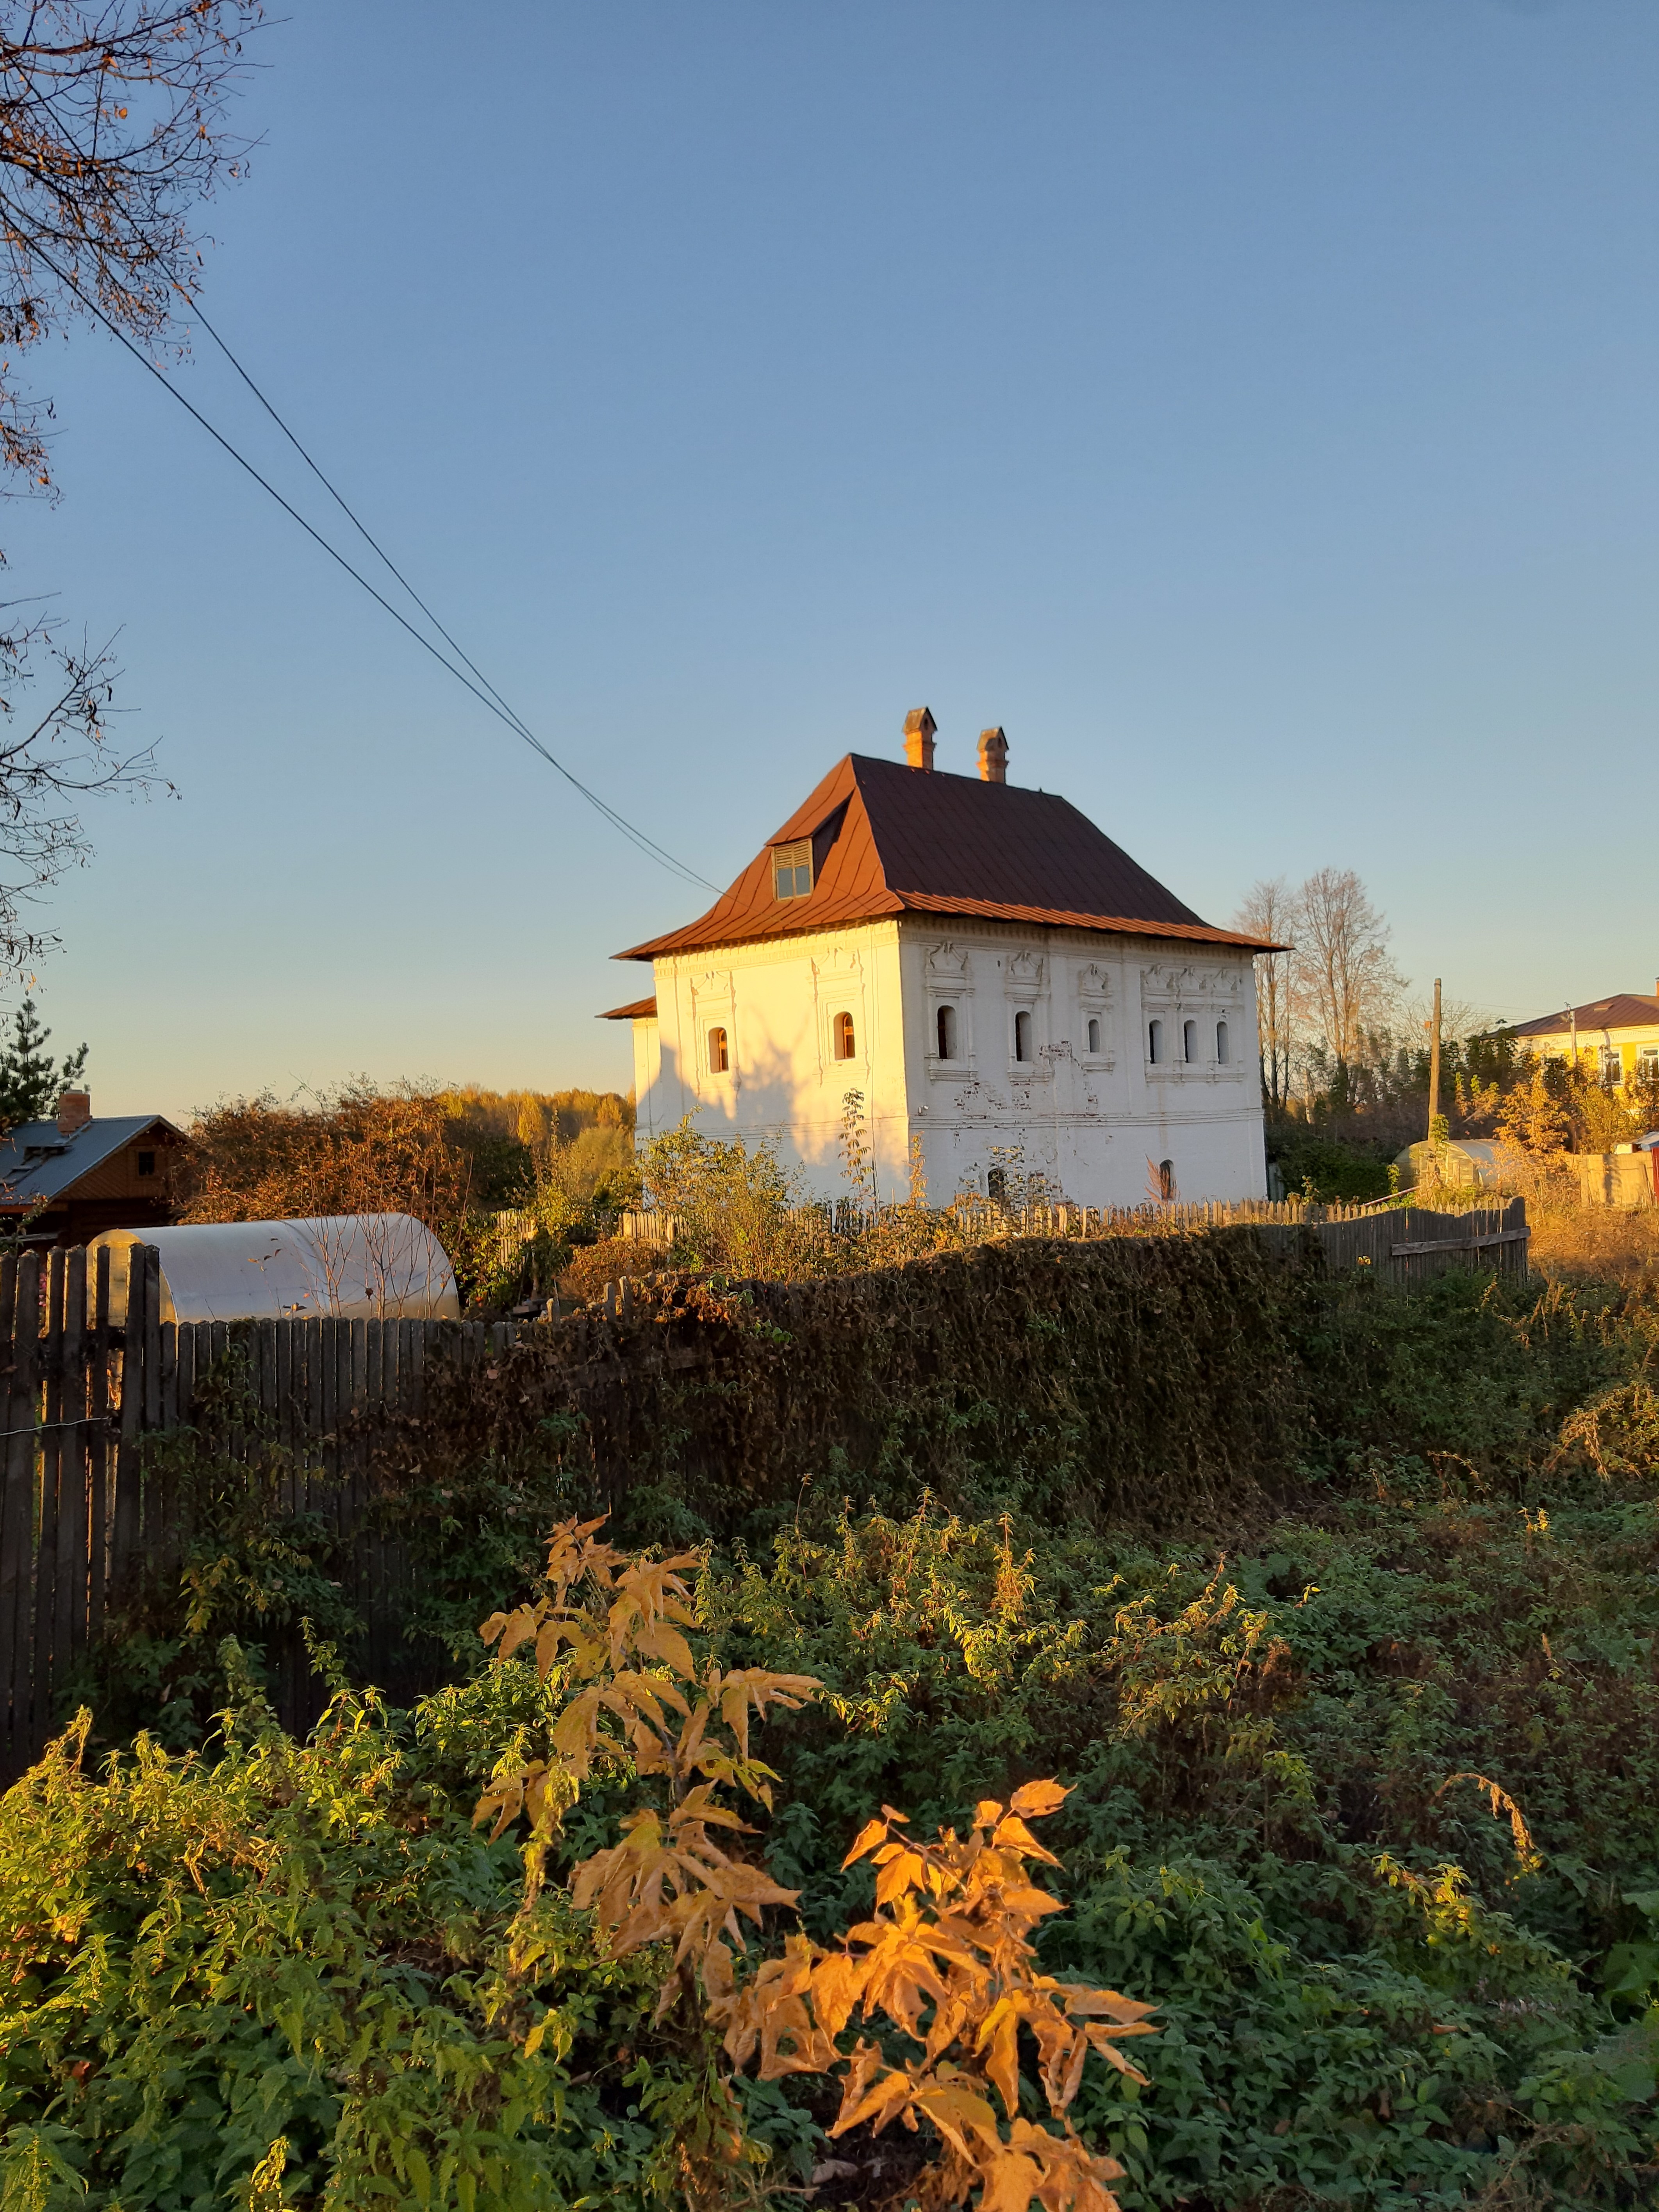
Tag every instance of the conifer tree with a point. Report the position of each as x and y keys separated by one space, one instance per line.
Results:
x=30 y=1084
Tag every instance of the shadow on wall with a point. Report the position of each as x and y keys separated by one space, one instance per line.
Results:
x=762 y=1098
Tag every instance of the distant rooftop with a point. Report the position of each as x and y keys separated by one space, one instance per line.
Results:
x=1625 y=1010
x=39 y=1162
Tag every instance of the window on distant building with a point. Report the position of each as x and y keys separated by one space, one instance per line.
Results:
x=792 y=869
x=846 y=1041
x=1189 y=1040
x=1612 y=1066
x=1166 y=1182
x=1094 y=1034
x=1223 y=1048
x=1155 y=1043
x=718 y=1054
x=1022 y=1035
x=1647 y=1064
x=146 y=1164
x=947 y=1025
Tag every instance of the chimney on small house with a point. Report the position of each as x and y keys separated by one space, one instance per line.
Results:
x=993 y=756
x=919 y=728
x=74 y=1112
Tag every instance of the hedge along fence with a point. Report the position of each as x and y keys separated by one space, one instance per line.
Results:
x=1132 y=1376
x=1137 y=1377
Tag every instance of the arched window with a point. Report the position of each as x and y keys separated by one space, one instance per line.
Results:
x=1022 y=1035
x=845 y=1041
x=1189 y=1040
x=719 y=1057
x=1166 y=1182
x=996 y=1184
x=1155 y=1043
x=947 y=1032
x=1222 y=1047
x=1094 y=1036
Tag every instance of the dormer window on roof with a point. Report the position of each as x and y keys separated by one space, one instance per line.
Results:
x=792 y=869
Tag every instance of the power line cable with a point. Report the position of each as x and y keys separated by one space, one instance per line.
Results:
x=516 y=719
x=480 y=690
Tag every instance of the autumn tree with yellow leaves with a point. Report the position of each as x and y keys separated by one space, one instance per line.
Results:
x=946 y=1962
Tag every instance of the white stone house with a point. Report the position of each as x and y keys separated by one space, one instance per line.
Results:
x=998 y=980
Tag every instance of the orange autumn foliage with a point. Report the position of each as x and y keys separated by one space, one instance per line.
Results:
x=610 y=1616
x=947 y=1959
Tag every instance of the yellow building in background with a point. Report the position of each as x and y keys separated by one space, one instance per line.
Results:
x=1616 y=1039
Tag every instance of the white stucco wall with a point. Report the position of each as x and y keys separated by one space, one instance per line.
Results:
x=1096 y=1123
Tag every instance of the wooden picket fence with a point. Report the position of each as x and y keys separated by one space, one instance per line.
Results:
x=79 y=1510
x=83 y=1508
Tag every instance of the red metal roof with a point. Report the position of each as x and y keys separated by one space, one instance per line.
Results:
x=891 y=839
x=640 y=1010
x=1625 y=1010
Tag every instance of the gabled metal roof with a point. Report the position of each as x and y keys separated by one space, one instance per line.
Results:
x=891 y=839
x=1625 y=1010
x=38 y=1165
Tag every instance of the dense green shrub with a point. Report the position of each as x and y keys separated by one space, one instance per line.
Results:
x=1283 y=1714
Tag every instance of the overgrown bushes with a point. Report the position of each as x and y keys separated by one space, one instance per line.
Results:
x=1283 y=1671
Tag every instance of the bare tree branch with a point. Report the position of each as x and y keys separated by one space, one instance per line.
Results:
x=62 y=757
x=112 y=132
x=1344 y=985
x=1269 y=910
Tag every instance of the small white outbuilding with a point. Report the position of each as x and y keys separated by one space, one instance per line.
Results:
x=348 y=1266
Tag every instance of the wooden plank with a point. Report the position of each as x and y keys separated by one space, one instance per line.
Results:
x=169 y=1392
x=418 y=1344
x=1479 y=1244
x=284 y=1332
x=49 y=1462
x=356 y=1464
x=315 y=1422
x=126 y=1500
x=73 y=1469
x=101 y=1453
x=16 y=1539
x=22 y=1413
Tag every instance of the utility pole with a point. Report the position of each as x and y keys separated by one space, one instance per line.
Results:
x=1434 y=1065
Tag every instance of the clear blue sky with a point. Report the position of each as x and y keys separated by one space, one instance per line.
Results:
x=1251 y=407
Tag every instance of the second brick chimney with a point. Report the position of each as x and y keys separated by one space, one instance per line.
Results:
x=74 y=1112
x=919 y=728
x=993 y=756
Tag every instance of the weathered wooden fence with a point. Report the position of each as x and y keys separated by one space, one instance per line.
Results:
x=82 y=1506
x=79 y=1510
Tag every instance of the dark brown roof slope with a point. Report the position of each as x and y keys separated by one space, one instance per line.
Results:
x=1625 y=1010
x=891 y=839
x=639 y=1009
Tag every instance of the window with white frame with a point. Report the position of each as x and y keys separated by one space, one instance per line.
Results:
x=1223 y=1045
x=1023 y=1034
x=1092 y=1033
x=1613 y=1064
x=1189 y=1040
x=944 y=1032
x=1154 y=1043
x=719 y=1052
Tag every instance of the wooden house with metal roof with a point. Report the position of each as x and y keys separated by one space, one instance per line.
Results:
x=1008 y=989
x=64 y=1181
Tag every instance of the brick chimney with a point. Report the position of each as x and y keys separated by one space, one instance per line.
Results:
x=74 y=1112
x=993 y=756
x=919 y=728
